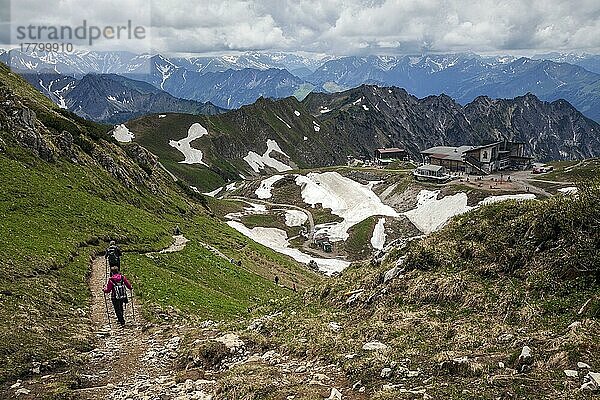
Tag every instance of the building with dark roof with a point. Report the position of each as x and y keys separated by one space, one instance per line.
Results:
x=390 y=154
x=481 y=160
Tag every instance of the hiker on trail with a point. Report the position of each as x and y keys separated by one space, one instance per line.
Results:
x=113 y=255
x=116 y=287
x=276 y=280
x=177 y=231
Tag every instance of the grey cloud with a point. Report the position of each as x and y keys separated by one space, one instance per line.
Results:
x=348 y=26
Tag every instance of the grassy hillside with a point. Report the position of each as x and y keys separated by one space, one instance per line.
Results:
x=58 y=211
x=232 y=135
x=53 y=216
x=494 y=280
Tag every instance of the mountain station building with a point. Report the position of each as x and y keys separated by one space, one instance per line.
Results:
x=479 y=160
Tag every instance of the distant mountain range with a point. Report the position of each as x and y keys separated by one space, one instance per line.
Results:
x=233 y=81
x=111 y=98
x=465 y=77
x=324 y=129
x=80 y=63
x=591 y=62
x=206 y=80
x=231 y=88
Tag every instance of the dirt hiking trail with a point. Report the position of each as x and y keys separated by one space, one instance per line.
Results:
x=131 y=362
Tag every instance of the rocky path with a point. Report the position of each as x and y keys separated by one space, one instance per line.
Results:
x=134 y=362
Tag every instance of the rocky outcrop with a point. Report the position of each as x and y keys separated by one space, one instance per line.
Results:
x=373 y=117
x=142 y=157
x=21 y=123
x=64 y=141
x=115 y=161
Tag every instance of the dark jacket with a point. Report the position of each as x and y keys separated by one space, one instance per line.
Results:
x=114 y=248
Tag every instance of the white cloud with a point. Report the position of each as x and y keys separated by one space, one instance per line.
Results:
x=350 y=26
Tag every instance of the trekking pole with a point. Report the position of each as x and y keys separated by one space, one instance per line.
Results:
x=107 y=314
x=132 y=306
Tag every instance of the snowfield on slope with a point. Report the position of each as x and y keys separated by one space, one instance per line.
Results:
x=495 y=199
x=266 y=185
x=568 y=190
x=214 y=192
x=432 y=214
x=258 y=162
x=192 y=156
x=348 y=199
x=295 y=218
x=277 y=240
x=379 y=236
x=122 y=134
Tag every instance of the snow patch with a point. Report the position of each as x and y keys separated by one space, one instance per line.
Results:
x=122 y=134
x=162 y=115
x=264 y=190
x=495 y=199
x=252 y=210
x=432 y=214
x=258 y=162
x=379 y=236
x=305 y=138
x=286 y=124
x=297 y=113
x=295 y=218
x=568 y=190
x=365 y=107
x=346 y=198
x=324 y=110
x=192 y=156
x=277 y=240
x=214 y=192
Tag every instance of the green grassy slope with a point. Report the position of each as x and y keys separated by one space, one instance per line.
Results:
x=55 y=215
x=492 y=281
x=51 y=218
x=232 y=135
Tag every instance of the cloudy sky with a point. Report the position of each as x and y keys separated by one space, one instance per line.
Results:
x=343 y=27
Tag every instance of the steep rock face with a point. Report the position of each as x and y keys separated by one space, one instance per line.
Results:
x=391 y=117
x=551 y=130
x=21 y=123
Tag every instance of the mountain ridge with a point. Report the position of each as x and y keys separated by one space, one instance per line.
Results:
x=112 y=98
x=324 y=129
x=463 y=76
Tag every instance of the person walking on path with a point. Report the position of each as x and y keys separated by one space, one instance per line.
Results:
x=113 y=255
x=116 y=287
